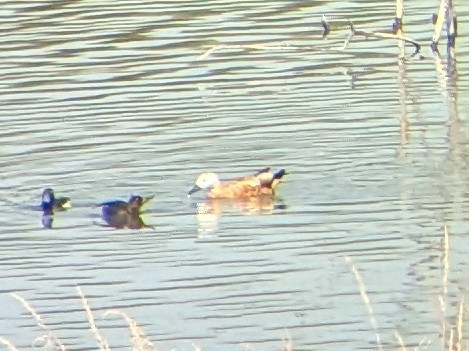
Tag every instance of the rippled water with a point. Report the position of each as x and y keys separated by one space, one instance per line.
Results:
x=102 y=99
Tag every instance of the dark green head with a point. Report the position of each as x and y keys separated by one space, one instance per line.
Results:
x=48 y=199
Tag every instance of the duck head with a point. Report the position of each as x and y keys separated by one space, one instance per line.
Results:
x=135 y=203
x=204 y=181
x=48 y=198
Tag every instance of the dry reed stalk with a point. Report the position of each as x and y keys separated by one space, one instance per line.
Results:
x=439 y=24
x=8 y=344
x=247 y=347
x=399 y=9
x=49 y=340
x=401 y=77
x=451 y=337
x=443 y=320
x=459 y=324
x=397 y=26
x=445 y=260
x=287 y=343
x=444 y=283
x=139 y=341
x=103 y=344
x=365 y=299
x=196 y=347
x=451 y=27
x=400 y=340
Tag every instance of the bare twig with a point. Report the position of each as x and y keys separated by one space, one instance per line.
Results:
x=380 y=35
x=326 y=30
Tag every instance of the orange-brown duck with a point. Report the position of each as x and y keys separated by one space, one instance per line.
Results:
x=263 y=182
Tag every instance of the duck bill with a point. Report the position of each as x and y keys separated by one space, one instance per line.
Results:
x=67 y=204
x=193 y=190
x=147 y=199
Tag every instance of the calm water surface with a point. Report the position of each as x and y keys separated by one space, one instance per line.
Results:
x=100 y=99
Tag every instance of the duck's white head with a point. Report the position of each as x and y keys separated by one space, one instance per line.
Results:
x=204 y=181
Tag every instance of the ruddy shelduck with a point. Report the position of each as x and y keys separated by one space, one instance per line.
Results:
x=261 y=183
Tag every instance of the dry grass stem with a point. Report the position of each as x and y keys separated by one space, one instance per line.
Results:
x=8 y=344
x=48 y=340
x=103 y=344
x=287 y=343
x=459 y=324
x=400 y=341
x=443 y=318
x=31 y=310
x=365 y=299
x=139 y=341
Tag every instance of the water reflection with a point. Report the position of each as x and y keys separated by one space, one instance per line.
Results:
x=210 y=210
x=123 y=220
x=108 y=106
x=47 y=220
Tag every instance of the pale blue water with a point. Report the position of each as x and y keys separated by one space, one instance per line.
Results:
x=103 y=99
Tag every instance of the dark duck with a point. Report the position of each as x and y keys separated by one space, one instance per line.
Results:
x=131 y=207
x=50 y=203
x=124 y=214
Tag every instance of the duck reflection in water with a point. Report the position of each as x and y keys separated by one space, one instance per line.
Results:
x=209 y=211
x=123 y=220
x=124 y=214
x=51 y=204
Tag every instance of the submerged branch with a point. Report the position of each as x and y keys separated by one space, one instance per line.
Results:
x=381 y=35
x=326 y=30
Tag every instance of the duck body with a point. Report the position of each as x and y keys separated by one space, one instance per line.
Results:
x=131 y=207
x=262 y=183
x=50 y=203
